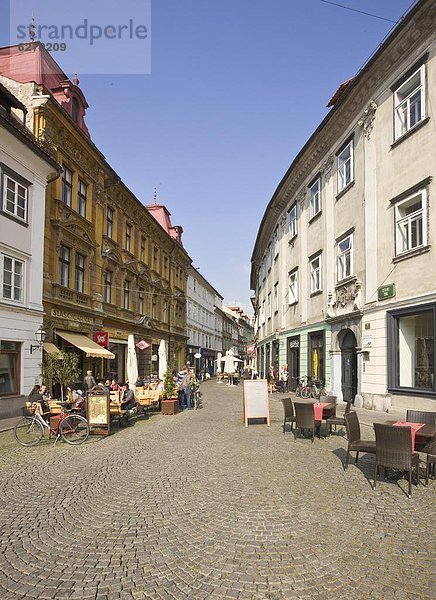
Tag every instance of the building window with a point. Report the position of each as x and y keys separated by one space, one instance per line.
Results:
x=64 y=266
x=80 y=272
x=82 y=197
x=154 y=308
x=315 y=274
x=345 y=257
x=411 y=222
x=12 y=279
x=141 y=303
x=108 y=286
x=411 y=349
x=67 y=186
x=293 y=287
x=75 y=110
x=292 y=220
x=316 y=356
x=269 y=305
x=143 y=246
x=269 y=257
x=276 y=242
x=263 y=313
x=409 y=103
x=126 y=295
x=15 y=198
x=315 y=198
x=165 y=311
x=109 y=221
x=128 y=237
x=165 y=267
x=276 y=297
x=155 y=259
x=345 y=166
x=10 y=359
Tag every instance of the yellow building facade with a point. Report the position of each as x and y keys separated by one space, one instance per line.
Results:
x=111 y=268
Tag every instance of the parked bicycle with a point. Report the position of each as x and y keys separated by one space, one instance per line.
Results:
x=72 y=428
x=310 y=388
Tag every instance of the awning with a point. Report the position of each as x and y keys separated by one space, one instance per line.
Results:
x=50 y=348
x=89 y=347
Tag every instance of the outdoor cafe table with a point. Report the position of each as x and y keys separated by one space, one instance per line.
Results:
x=318 y=407
x=422 y=432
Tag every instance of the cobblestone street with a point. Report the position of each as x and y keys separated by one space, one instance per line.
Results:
x=197 y=506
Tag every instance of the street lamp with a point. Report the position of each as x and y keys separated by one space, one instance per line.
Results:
x=40 y=336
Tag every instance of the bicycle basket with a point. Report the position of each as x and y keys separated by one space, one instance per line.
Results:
x=28 y=410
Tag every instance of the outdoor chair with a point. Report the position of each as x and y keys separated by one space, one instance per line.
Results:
x=421 y=416
x=394 y=451
x=305 y=418
x=335 y=420
x=289 y=413
x=355 y=443
x=328 y=412
x=430 y=450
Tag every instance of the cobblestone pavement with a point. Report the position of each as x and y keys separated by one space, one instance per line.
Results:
x=196 y=506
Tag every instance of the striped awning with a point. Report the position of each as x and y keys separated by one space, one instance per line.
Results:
x=84 y=343
x=50 y=348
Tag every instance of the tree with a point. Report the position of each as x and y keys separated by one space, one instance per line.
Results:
x=60 y=367
x=170 y=387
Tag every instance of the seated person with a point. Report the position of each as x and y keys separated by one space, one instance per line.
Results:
x=114 y=385
x=36 y=396
x=128 y=401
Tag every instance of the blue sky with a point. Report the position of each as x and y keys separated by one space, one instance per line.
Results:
x=236 y=88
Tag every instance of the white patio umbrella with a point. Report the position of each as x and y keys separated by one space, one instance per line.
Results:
x=229 y=363
x=162 y=359
x=218 y=362
x=132 y=362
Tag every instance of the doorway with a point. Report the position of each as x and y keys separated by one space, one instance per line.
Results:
x=293 y=358
x=349 y=365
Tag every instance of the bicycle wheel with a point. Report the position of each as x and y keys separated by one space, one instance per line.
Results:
x=305 y=392
x=74 y=429
x=28 y=431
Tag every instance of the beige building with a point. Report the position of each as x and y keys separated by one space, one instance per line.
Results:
x=344 y=262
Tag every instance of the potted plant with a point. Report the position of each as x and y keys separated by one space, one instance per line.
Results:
x=60 y=367
x=170 y=401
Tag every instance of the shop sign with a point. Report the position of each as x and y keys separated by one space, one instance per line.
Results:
x=63 y=314
x=386 y=291
x=142 y=345
x=250 y=349
x=294 y=343
x=101 y=338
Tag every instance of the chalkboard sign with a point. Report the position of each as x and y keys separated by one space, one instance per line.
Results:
x=98 y=412
x=256 y=404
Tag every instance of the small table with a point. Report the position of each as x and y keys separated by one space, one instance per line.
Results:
x=415 y=427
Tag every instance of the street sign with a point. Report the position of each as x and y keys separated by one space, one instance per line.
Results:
x=386 y=291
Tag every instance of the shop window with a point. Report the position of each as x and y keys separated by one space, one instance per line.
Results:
x=411 y=349
x=10 y=358
x=316 y=356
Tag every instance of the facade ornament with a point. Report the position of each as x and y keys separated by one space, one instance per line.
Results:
x=356 y=295
x=330 y=305
x=368 y=118
x=327 y=167
x=283 y=222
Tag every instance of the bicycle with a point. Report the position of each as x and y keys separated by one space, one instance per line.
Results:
x=303 y=389
x=72 y=428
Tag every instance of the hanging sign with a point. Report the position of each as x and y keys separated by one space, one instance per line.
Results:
x=142 y=345
x=101 y=338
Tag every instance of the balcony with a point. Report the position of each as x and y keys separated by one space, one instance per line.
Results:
x=71 y=296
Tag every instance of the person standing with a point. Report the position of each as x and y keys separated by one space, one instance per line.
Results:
x=89 y=381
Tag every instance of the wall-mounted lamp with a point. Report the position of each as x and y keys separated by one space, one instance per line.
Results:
x=40 y=336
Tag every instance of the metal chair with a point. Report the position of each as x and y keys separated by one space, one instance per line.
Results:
x=334 y=420
x=305 y=418
x=289 y=412
x=394 y=450
x=355 y=444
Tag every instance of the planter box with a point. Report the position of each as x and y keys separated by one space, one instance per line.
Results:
x=170 y=406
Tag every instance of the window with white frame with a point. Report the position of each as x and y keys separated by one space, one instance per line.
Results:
x=293 y=286
x=315 y=197
x=411 y=222
x=345 y=257
x=276 y=297
x=276 y=242
x=409 y=103
x=15 y=196
x=12 y=278
x=345 y=166
x=269 y=305
x=292 y=220
x=269 y=257
x=315 y=274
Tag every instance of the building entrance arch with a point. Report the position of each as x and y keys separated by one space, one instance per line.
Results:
x=348 y=344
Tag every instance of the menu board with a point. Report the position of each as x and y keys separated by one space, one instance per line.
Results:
x=255 y=403
x=98 y=412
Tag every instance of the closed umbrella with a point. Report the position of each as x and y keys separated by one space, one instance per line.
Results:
x=218 y=362
x=132 y=362
x=162 y=359
x=229 y=363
